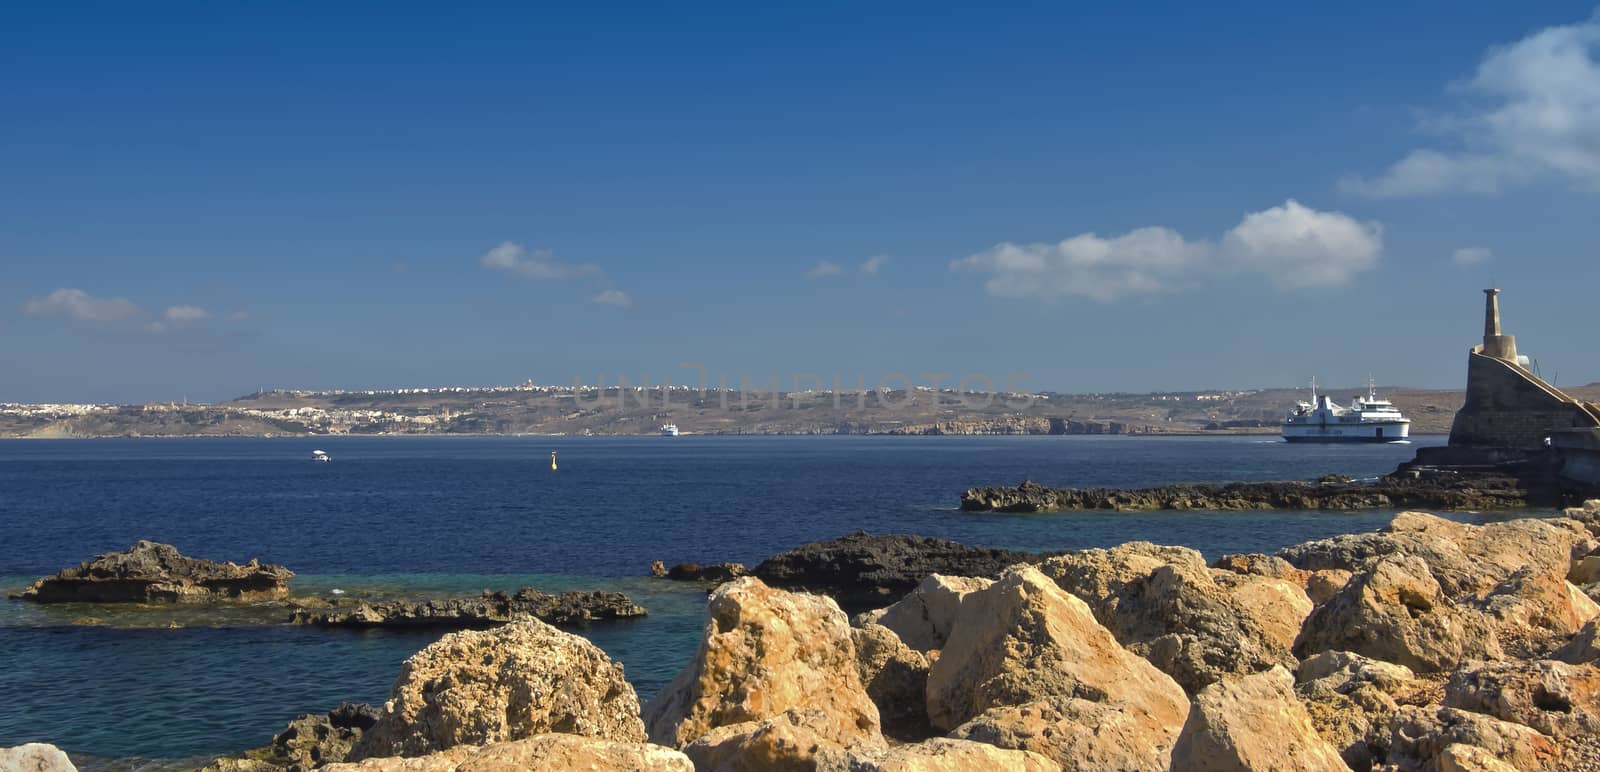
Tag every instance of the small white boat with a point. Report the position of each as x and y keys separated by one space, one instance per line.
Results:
x=321 y=456
x=669 y=430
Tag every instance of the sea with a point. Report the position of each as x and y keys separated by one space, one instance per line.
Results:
x=414 y=517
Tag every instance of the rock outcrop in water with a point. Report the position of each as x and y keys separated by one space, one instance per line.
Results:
x=488 y=610
x=309 y=742
x=864 y=571
x=716 y=573
x=150 y=572
x=1431 y=490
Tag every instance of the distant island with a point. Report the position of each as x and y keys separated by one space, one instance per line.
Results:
x=611 y=411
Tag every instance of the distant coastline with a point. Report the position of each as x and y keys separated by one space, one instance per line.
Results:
x=578 y=411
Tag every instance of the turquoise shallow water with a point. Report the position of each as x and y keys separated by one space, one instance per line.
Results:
x=408 y=517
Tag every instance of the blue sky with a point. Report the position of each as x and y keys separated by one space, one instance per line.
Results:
x=202 y=199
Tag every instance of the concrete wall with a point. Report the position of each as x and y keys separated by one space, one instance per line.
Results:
x=1509 y=407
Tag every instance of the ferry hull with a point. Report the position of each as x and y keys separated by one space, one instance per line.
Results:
x=1368 y=433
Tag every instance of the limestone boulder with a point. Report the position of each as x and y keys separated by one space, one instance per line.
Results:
x=539 y=752
x=1466 y=560
x=896 y=678
x=1324 y=584
x=1396 y=612
x=1165 y=604
x=1419 y=735
x=1030 y=663
x=1585 y=570
x=806 y=740
x=1584 y=647
x=922 y=618
x=1256 y=564
x=1077 y=734
x=765 y=652
x=1469 y=758
x=1588 y=515
x=1533 y=612
x=1556 y=698
x=515 y=681
x=1350 y=699
x=1279 y=607
x=943 y=754
x=35 y=757
x=1251 y=723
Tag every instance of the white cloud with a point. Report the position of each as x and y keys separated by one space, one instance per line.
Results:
x=1292 y=245
x=118 y=313
x=1297 y=246
x=186 y=314
x=77 y=305
x=1466 y=256
x=1141 y=261
x=824 y=269
x=613 y=297
x=1537 y=115
x=872 y=265
x=536 y=264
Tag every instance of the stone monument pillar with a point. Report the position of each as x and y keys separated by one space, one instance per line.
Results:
x=1495 y=344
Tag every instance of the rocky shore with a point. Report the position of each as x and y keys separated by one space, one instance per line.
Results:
x=1429 y=646
x=1417 y=488
x=490 y=609
x=150 y=572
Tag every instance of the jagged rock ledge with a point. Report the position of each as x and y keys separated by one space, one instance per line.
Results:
x=1416 y=488
x=151 y=572
x=488 y=610
x=864 y=571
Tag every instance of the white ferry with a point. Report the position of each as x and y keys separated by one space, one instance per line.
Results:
x=669 y=430
x=1368 y=419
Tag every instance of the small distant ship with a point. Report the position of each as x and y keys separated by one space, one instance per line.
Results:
x=321 y=456
x=669 y=430
x=1367 y=419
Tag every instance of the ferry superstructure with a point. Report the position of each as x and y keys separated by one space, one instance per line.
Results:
x=1367 y=419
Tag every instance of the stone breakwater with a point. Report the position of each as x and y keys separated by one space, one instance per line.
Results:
x=1420 y=489
x=150 y=572
x=1428 y=646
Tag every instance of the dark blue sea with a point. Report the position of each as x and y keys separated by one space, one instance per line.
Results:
x=414 y=517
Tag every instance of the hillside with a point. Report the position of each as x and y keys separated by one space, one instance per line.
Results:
x=563 y=410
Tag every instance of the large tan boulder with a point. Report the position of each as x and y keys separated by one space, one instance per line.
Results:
x=1584 y=647
x=1278 y=606
x=1252 y=723
x=1419 y=735
x=518 y=680
x=805 y=740
x=896 y=678
x=1534 y=612
x=1466 y=560
x=942 y=754
x=1468 y=758
x=1558 y=699
x=922 y=618
x=1030 y=666
x=546 y=751
x=1396 y=612
x=1166 y=605
x=1350 y=699
x=35 y=757
x=765 y=652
